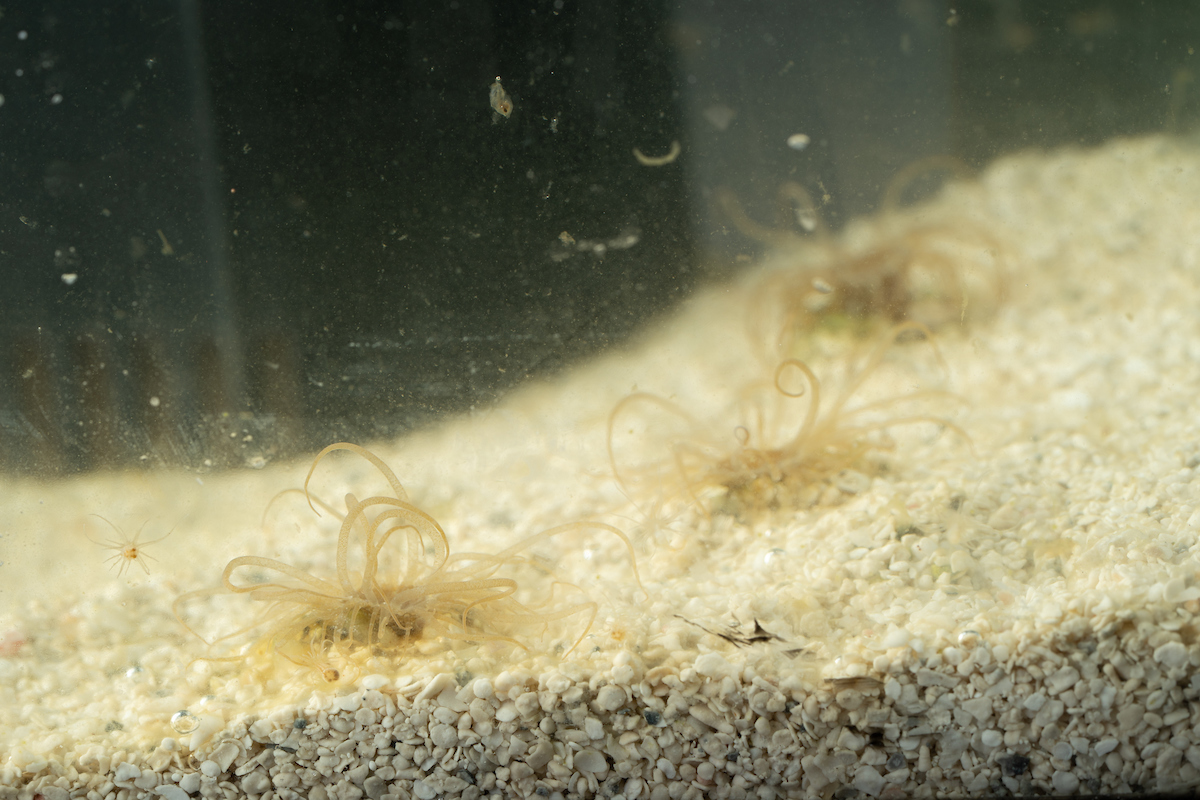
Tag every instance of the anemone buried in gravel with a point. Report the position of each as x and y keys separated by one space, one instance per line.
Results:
x=395 y=584
x=937 y=274
x=892 y=270
x=788 y=450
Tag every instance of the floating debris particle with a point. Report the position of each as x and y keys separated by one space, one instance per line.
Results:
x=860 y=683
x=736 y=637
x=66 y=257
x=167 y=250
x=11 y=641
x=719 y=116
x=659 y=161
x=798 y=141
x=69 y=278
x=501 y=103
x=597 y=247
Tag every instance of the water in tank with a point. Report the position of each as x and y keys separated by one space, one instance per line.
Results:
x=654 y=401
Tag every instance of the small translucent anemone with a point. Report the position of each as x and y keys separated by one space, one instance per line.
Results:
x=935 y=274
x=394 y=583
x=127 y=550
x=789 y=446
x=892 y=269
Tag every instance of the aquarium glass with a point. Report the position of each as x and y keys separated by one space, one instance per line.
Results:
x=657 y=401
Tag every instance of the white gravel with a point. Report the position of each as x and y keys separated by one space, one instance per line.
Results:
x=1019 y=614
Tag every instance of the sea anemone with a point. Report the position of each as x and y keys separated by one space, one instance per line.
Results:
x=789 y=445
x=394 y=583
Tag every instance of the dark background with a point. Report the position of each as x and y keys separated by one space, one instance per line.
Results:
x=291 y=224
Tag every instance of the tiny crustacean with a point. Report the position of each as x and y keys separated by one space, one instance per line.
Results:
x=862 y=683
x=501 y=103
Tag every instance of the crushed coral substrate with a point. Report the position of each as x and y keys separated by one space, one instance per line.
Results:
x=1014 y=614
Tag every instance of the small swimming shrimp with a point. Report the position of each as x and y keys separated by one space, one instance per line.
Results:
x=499 y=100
x=127 y=550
